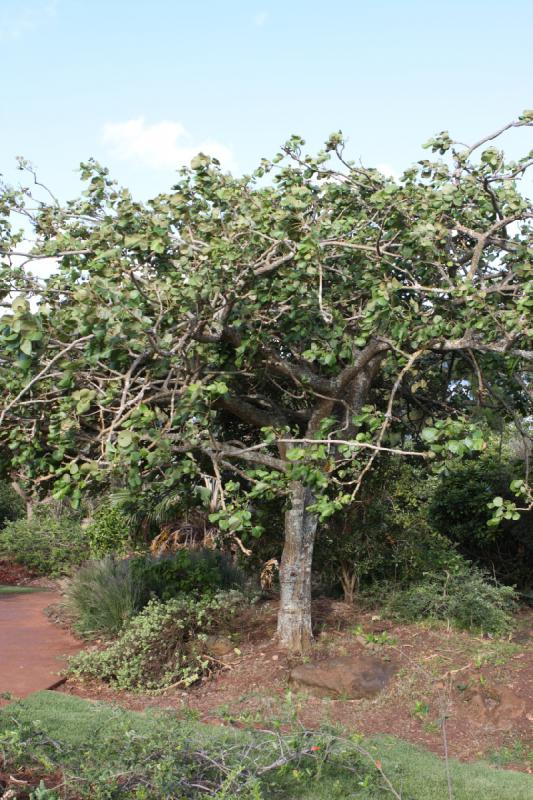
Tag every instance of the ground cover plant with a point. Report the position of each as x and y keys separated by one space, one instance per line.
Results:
x=269 y=336
x=163 y=645
x=94 y=750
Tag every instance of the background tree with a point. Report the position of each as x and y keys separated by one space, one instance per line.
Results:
x=240 y=339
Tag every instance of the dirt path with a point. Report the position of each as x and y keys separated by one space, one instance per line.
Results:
x=32 y=649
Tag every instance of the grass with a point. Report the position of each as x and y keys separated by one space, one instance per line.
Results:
x=19 y=590
x=419 y=774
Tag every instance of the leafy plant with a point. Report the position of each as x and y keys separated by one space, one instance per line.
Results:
x=459 y=509
x=386 y=536
x=108 y=532
x=11 y=505
x=104 y=595
x=193 y=572
x=49 y=543
x=466 y=598
x=162 y=645
x=239 y=338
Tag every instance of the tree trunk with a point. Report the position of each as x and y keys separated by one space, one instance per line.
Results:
x=294 y=617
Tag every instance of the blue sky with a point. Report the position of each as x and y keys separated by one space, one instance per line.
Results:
x=143 y=85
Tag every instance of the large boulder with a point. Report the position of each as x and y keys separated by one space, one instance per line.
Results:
x=349 y=677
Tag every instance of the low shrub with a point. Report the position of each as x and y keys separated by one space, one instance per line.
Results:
x=194 y=572
x=466 y=598
x=50 y=543
x=108 y=532
x=103 y=597
x=161 y=646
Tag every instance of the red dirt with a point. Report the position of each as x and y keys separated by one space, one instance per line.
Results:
x=33 y=649
x=15 y=575
x=440 y=673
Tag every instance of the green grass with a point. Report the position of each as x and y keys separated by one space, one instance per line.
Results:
x=19 y=590
x=419 y=774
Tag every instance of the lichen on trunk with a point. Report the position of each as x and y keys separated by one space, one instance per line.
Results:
x=294 y=618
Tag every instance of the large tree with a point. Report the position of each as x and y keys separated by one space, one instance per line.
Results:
x=267 y=336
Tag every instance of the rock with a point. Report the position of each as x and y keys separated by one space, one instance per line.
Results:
x=350 y=677
x=496 y=708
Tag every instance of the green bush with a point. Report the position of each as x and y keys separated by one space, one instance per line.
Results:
x=104 y=596
x=465 y=598
x=108 y=532
x=385 y=536
x=458 y=510
x=51 y=543
x=11 y=505
x=161 y=646
x=194 y=572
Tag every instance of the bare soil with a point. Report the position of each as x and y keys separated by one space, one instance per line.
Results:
x=16 y=575
x=475 y=692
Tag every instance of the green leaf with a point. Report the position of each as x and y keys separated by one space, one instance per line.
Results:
x=124 y=439
x=295 y=453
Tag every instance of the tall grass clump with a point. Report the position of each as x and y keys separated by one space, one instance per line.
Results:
x=104 y=596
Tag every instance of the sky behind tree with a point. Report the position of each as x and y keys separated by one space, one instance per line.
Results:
x=142 y=86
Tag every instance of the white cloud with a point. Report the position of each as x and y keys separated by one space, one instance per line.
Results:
x=388 y=171
x=260 y=19
x=18 y=19
x=160 y=145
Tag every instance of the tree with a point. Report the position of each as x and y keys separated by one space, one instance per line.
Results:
x=240 y=339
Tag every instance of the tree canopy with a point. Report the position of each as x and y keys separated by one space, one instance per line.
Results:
x=268 y=336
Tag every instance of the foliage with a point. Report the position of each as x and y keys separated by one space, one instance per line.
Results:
x=466 y=598
x=108 y=532
x=459 y=509
x=161 y=646
x=192 y=572
x=50 y=543
x=103 y=596
x=237 y=339
x=11 y=505
x=386 y=536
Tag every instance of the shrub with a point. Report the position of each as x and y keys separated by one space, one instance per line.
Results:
x=108 y=532
x=104 y=596
x=194 y=572
x=386 y=536
x=458 y=510
x=11 y=505
x=49 y=543
x=466 y=598
x=161 y=646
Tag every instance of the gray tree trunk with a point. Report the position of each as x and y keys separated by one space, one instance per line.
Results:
x=294 y=617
